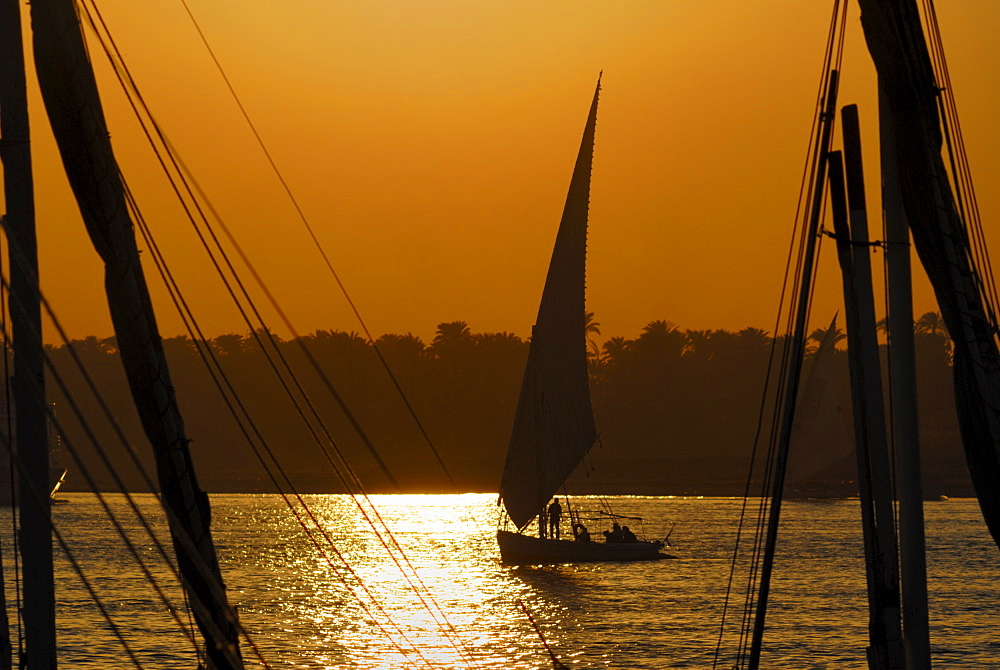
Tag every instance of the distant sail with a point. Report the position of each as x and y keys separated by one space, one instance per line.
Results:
x=821 y=435
x=554 y=425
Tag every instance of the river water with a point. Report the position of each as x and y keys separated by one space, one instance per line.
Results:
x=444 y=601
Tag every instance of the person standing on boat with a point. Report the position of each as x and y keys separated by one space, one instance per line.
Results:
x=555 y=512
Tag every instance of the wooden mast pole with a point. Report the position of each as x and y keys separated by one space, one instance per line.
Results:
x=30 y=433
x=905 y=430
x=885 y=651
x=794 y=372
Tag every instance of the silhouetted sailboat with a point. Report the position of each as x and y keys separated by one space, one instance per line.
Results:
x=554 y=425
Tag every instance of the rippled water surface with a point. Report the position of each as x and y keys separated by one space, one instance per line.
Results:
x=445 y=601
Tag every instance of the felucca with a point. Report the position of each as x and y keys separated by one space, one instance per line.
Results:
x=554 y=425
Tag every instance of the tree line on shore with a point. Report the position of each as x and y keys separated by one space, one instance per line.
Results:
x=677 y=409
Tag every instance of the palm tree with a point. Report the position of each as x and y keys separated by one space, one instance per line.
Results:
x=451 y=332
x=615 y=350
x=820 y=334
x=407 y=347
x=500 y=349
x=660 y=341
x=932 y=324
x=229 y=344
x=508 y=340
x=699 y=344
x=591 y=326
x=178 y=345
x=930 y=331
x=752 y=341
x=91 y=351
x=91 y=344
x=453 y=340
x=261 y=339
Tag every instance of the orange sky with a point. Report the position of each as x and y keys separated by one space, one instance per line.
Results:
x=431 y=143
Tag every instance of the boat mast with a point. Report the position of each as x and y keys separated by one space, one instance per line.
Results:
x=794 y=357
x=911 y=94
x=30 y=434
x=885 y=651
x=903 y=384
x=919 y=200
x=69 y=91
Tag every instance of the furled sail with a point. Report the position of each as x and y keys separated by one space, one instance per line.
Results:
x=554 y=425
x=69 y=91
x=906 y=77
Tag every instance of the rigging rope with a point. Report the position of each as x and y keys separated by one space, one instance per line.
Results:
x=182 y=172
x=42 y=496
x=312 y=235
x=965 y=191
x=102 y=453
x=790 y=295
x=104 y=457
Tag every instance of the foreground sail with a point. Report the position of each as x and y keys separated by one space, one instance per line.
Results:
x=554 y=425
x=943 y=243
x=69 y=91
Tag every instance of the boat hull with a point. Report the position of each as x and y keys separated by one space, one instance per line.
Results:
x=517 y=549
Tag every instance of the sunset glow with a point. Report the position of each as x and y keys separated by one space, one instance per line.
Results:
x=430 y=145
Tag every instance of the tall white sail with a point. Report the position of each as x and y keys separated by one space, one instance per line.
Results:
x=554 y=424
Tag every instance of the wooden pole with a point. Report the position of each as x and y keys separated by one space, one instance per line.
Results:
x=794 y=371
x=30 y=432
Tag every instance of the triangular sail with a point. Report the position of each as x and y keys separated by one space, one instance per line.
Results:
x=820 y=434
x=554 y=425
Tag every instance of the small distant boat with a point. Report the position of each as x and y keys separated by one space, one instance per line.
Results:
x=9 y=471
x=57 y=476
x=554 y=425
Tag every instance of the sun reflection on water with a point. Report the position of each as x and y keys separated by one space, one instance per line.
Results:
x=441 y=599
x=433 y=592
x=409 y=596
